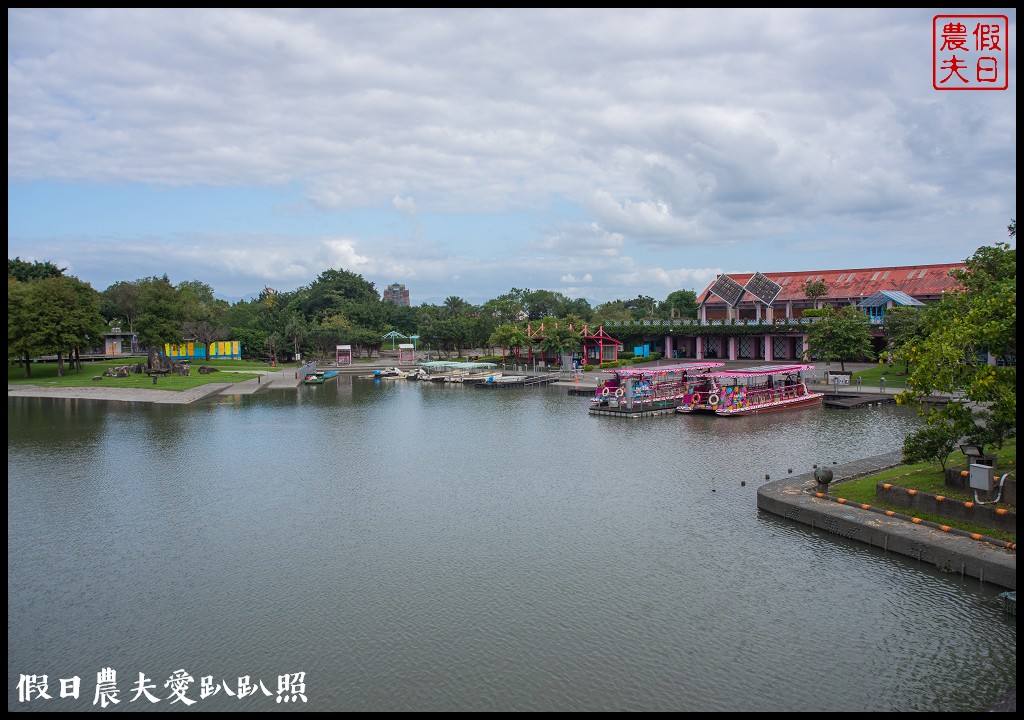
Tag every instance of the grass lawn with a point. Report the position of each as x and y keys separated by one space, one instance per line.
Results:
x=45 y=375
x=929 y=478
x=893 y=374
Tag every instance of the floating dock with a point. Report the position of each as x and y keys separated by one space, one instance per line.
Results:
x=638 y=409
x=847 y=402
x=519 y=381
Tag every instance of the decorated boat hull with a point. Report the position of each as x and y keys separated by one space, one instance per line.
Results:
x=751 y=390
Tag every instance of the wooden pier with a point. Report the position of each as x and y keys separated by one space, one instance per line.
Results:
x=847 y=402
x=639 y=409
x=636 y=412
x=526 y=381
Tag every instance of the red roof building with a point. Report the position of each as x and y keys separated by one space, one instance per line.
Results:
x=767 y=296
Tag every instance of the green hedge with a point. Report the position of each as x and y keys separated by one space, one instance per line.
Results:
x=622 y=362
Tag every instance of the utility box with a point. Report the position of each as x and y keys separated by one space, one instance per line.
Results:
x=982 y=478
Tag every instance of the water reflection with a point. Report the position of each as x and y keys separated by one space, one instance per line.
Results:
x=416 y=546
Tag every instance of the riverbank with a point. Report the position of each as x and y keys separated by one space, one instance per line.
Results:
x=796 y=499
x=281 y=379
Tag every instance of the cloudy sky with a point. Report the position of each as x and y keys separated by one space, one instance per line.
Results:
x=603 y=154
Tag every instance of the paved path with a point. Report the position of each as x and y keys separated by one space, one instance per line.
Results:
x=278 y=379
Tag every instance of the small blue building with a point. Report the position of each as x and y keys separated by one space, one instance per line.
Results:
x=875 y=305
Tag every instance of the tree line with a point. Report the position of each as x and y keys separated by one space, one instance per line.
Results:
x=51 y=313
x=946 y=347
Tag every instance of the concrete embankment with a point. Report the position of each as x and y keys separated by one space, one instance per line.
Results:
x=277 y=379
x=796 y=499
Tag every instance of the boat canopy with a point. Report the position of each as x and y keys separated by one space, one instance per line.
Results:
x=762 y=371
x=456 y=365
x=651 y=370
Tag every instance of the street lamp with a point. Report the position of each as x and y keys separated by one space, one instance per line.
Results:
x=972 y=452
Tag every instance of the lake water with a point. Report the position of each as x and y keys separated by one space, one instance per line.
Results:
x=421 y=546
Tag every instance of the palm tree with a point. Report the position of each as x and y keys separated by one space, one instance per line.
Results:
x=454 y=305
x=560 y=339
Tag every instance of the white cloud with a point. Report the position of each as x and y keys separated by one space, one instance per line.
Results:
x=423 y=144
x=404 y=205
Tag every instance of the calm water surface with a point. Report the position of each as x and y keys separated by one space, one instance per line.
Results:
x=415 y=546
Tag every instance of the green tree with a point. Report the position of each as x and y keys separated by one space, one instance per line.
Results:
x=202 y=314
x=402 y=318
x=902 y=325
x=160 y=314
x=195 y=296
x=447 y=335
x=205 y=332
x=969 y=346
x=121 y=301
x=67 y=311
x=838 y=336
x=507 y=308
x=560 y=337
x=509 y=337
x=328 y=294
x=23 y=320
x=544 y=303
x=642 y=307
x=815 y=290
x=245 y=318
x=454 y=306
x=295 y=329
x=538 y=304
x=366 y=339
x=28 y=271
x=679 y=304
x=578 y=307
x=944 y=427
x=330 y=332
x=612 y=311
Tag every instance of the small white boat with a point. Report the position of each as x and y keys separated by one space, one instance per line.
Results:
x=391 y=373
x=457 y=372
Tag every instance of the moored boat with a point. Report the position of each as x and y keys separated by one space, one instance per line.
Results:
x=663 y=385
x=319 y=377
x=391 y=373
x=750 y=390
x=388 y=373
x=457 y=372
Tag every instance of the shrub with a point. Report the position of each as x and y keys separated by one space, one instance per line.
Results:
x=940 y=436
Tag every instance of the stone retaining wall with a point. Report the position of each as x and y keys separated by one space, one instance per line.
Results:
x=795 y=500
x=960 y=480
x=986 y=515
